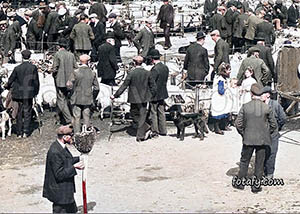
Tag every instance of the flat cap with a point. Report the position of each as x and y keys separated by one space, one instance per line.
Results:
x=64 y=130
x=267 y=89
x=26 y=54
x=112 y=15
x=28 y=13
x=3 y=22
x=62 y=11
x=93 y=15
x=84 y=57
x=52 y=5
x=252 y=50
x=10 y=14
x=215 y=32
x=256 y=89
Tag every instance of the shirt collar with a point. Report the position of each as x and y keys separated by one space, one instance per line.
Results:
x=61 y=143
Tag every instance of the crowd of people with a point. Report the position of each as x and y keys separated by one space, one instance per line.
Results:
x=79 y=38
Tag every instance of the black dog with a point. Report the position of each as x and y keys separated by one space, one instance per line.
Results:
x=181 y=121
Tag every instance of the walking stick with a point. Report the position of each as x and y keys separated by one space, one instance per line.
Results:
x=84 y=143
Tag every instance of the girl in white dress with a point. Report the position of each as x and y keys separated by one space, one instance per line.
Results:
x=246 y=85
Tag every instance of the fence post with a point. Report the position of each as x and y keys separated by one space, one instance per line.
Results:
x=197 y=90
x=182 y=25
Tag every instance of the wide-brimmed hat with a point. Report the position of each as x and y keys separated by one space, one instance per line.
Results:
x=256 y=89
x=200 y=35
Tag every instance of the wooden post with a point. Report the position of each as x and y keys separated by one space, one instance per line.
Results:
x=182 y=25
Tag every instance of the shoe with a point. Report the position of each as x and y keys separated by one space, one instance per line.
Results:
x=148 y=134
x=227 y=128
x=239 y=187
x=269 y=176
x=162 y=134
x=19 y=136
x=140 y=140
x=256 y=190
x=25 y=135
x=154 y=135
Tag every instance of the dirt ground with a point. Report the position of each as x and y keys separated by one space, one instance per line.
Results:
x=159 y=175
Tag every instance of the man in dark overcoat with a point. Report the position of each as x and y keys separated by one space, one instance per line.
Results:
x=160 y=75
x=221 y=51
x=141 y=89
x=64 y=64
x=266 y=30
x=239 y=30
x=166 y=19
x=33 y=32
x=255 y=123
x=99 y=9
x=107 y=61
x=24 y=84
x=230 y=17
x=210 y=6
x=218 y=22
x=82 y=35
x=144 y=40
x=119 y=35
x=85 y=87
x=293 y=14
x=99 y=32
x=196 y=61
x=59 y=184
x=49 y=26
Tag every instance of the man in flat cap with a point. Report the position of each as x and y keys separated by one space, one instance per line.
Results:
x=24 y=84
x=82 y=35
x=221 y=51
x=99 y=9
x=49 y=28
x=99 y=32
x=64 y=64
x=196 y=61
x=141 y=89
x=266 y=30
x=280 y=117
x=255 y=123
x=261 y=71
x=59 y=184
x=85 y=87
x=252 y=23
x=166 y=19
x=119 y=35
x=107 y=66
x=33 y=33
x=144 y=40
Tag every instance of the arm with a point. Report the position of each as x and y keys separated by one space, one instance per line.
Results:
x=123 y=86
x=271 y=64
x=281 y=117
x=136 y=40
x=96 y=87
x=113 y=60
x=186 y=60
x=272 y=121
x=152 y=86
x=11 y=79
x=266 y=74
x=239 y=122
x=218 y=58
x=91 y=34
x=206 y=61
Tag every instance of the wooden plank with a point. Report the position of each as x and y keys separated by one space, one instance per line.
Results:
x=290 y=97
x=291 y=106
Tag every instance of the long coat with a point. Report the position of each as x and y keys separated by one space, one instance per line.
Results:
x=266 y=55
x=218 y=22
x=107 y=61
x=230 y=17
x=64 y=26
x=255 y=123
x=85 y=86
x=251 y=25
x=118 y=33
x=24 y=81
x=266 y=30
x=82 y=34
x=11 y=37
x=144 y=40
x=239 y=29
x=160 y=75
x=33 y=34
x=221 y=53
x=210 y=6
x=48 y=28
x=59 y=184
x=196 y=62
x=99 y=32
x=293 y=16
x=166 y=16
x=262 y=73
x=64 y=64
x=100 y=10
x=142 y=87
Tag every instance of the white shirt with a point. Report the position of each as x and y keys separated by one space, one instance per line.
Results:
x=62 y=144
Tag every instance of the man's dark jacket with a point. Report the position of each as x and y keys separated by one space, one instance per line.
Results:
x=293 y=16
x=99 y=32
x=59 y=185
x=166 y=16
x=160 y=74
x=266 y=30
x=100 y=10
x=221 y=53
x=24 y=81
x=107 y=61
x=196 y=62
x=142 y=88
x=119 y=34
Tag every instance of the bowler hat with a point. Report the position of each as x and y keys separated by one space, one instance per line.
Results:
x=26 y=54
x=112 y=15
x=256 y=89
x=64 y=130
x=110 y=35
x=154 y=53
x=200 y=35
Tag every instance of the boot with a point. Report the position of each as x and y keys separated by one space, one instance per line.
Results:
x=226 y=124
x=217 y=128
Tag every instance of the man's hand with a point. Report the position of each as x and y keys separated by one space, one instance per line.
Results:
x=79 y=165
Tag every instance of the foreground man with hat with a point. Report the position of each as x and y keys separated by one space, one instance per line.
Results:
x=196 y=61
x=141 y=90
x=280 y=119
x=24 y=84
x=255 y=123
x=85 y=90
x=59 y=184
